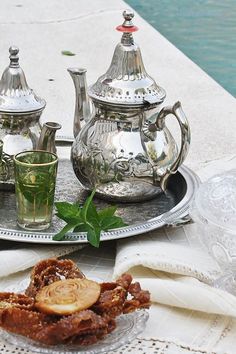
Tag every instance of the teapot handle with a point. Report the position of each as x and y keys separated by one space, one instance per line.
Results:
x=178 y=112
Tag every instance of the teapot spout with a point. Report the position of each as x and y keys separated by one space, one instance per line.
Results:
x=47 y=137
x=83 y=104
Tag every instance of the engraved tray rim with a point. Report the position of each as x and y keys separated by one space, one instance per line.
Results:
x=170 y=217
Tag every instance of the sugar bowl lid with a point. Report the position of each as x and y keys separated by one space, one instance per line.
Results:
x=126 y=82
x=15 y=94
x=215 y=201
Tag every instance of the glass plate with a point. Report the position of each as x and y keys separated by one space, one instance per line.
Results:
x=127 y=328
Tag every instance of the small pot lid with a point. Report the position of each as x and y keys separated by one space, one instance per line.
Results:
x=15 y=94
x=215 y=201
x=126 y=82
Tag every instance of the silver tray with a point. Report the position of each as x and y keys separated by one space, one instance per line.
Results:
x=170 y=208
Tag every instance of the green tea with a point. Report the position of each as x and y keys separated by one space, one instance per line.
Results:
x=35 y=187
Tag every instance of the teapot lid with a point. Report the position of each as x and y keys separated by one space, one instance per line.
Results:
x=15 y=94
x=126 y=82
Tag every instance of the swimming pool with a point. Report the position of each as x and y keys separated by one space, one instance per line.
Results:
x=205 y=30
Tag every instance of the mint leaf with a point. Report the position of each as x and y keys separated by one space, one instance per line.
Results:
x=106 y=212
x=81 y=228
x=93 y=236
x=68 y=53
x=68 y=212
x=86 y=207
x=66 y=209
x=61 y=235
x=92 y=212
x=111 y=223
x=68 y=220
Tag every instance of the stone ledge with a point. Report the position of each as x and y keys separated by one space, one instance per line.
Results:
x=87 y=29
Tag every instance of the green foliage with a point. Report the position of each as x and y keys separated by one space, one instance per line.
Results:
x=86 y=218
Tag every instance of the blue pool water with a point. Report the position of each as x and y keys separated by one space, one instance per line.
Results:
x=205 y=30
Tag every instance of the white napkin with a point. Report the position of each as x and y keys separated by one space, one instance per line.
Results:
x=174 y=273
x=18 y=257
x=174 y=266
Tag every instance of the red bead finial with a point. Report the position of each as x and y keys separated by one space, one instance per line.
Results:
x=127 y=25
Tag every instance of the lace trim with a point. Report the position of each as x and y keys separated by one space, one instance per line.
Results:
x=137 y=346
x=226 y=331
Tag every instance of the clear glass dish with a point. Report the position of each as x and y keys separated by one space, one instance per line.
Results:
x=127 y=328
x=227 y=282
x=214 y=211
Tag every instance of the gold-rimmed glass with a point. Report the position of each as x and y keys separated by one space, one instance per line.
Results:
x=35 y=180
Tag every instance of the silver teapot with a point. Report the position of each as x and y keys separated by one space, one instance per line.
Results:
x=20 y=111
x=122 y=145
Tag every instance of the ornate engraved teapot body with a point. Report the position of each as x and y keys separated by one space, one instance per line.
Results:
x=122 y=146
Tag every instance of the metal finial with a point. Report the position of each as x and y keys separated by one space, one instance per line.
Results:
x=14 y=57
x=127 y=26
x=128 y=15
x=15 y=94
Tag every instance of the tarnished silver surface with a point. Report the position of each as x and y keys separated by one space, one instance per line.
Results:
x=141 y=217
x=20 y=111
x=5 y=170
x=83 y=104
x=126 y=82
x=123 y=146
x=177 y=111
x=15 y=94
x=47 y=139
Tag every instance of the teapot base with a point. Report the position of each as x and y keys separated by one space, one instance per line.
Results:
x=128 y=192
x=8 y=185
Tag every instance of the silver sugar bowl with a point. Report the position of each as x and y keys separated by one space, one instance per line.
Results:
x=122 y=145
x=20 y=111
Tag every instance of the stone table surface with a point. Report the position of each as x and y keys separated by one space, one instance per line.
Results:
x=87 y=28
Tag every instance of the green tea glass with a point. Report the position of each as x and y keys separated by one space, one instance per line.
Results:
x=35 y=180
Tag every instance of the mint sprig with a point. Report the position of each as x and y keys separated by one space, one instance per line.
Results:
x=87 y=218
